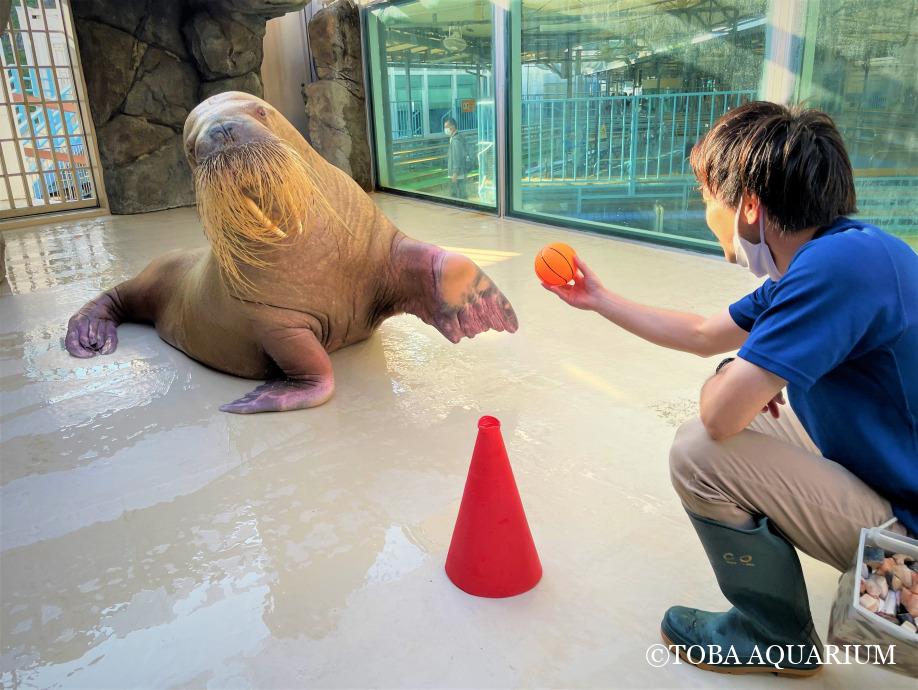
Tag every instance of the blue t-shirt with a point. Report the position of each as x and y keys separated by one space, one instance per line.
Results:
x=841 y=326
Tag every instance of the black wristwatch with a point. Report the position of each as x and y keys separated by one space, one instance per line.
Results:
x=723 y=364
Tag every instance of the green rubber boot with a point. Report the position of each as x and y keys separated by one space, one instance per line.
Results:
x=769 y=629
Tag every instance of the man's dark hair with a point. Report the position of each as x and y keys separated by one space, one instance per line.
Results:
x=451 y=122
x=792 y=158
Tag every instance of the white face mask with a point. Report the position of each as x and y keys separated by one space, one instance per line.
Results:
x=756 y=257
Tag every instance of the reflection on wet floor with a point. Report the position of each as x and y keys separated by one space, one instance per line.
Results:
x=149 y=540
x=56 y=256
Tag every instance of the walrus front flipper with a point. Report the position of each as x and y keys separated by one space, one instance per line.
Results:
x=93 y=330
x=309 y=380
x=468 y=302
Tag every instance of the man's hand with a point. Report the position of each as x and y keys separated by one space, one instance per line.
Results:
x=586 y=291
x=772 y=405
x=455 y=178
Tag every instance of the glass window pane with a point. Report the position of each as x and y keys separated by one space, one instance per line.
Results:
x=431 y=65
x=38 y=190
x=65 y=81
x=863 y=74
x=6 y=42
x=6 y=123
x=40 y=43
x=43 y=120
x=6 y=202
x=78 y=148
x=48 y=87
x=612 y=97
x=39 y=124
x=608 y=98
x=10 y=157
x=20 y=114
x=18 y=184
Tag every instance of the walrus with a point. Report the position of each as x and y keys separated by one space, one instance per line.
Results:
x=300 y=263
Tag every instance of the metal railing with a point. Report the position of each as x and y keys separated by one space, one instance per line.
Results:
x=62 y=186
x=408 y=118
x=467 y=120
x=612 y=139
x=617 y=138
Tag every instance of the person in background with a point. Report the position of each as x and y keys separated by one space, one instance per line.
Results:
x=836 y=323
x=455 y=159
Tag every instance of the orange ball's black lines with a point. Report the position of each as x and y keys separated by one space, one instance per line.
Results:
x=548 y=266
x=569 y=267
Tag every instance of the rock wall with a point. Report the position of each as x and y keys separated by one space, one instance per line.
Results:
x=147 y=63
x=336 y=104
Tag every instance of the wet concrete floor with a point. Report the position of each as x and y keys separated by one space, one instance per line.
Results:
x=149 y=540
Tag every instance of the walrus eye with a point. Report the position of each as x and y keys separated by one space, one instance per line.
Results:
x=262 y=112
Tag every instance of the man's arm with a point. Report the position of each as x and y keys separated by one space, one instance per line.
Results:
x=676 y=330
x=733 y=397
x=673 y=329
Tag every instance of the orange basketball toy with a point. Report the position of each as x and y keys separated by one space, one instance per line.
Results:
x=555 y=264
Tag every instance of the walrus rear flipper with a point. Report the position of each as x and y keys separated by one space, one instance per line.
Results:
x=309 y=380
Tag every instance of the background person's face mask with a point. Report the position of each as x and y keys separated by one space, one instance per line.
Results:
x=756 y=257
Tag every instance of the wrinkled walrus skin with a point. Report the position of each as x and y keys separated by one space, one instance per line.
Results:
x=322 y=288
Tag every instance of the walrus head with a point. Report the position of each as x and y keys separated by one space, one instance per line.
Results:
x=253 y=187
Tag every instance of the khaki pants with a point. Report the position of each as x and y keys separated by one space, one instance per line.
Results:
x=773 y=468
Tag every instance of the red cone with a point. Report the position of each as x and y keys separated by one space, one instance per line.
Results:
x=492 y=553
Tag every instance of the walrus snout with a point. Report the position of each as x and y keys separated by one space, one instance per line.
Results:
x=227 y=120
x=225 y=134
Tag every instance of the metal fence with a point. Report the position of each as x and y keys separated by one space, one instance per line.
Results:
x=598 y=138
x=617 y=138
x=408 y=118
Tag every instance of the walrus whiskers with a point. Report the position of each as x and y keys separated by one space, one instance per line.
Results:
x=252 y=197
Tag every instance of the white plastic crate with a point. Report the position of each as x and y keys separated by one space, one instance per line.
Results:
x=851 y=623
